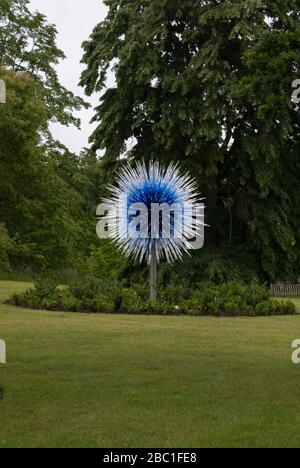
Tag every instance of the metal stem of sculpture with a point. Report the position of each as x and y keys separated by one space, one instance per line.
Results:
x=154 y=191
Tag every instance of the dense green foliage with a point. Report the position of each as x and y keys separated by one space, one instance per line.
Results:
x=209 y=84
x=44 y=209
x=92 y=295
x=28 y=44
x=6 y=245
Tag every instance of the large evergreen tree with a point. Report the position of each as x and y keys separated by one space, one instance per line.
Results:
x=209 y=83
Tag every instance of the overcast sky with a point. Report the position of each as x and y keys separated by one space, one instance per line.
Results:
x=75 y=20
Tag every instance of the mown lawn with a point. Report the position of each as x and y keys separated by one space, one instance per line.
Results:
x=75 y=380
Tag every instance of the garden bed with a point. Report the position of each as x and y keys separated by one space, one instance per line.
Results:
x=92 y=296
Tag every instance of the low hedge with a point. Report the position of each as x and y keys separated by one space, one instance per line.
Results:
x=92 y=296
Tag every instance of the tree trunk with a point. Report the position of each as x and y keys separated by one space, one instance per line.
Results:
x=211 y=203
x=153 y=275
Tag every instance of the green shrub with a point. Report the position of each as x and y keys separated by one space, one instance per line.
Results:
x=86 y=289
x=275 y=307
x=174 y=294
x=45 y=285
x=101 y=303
x=91 y=295
x=222 y=265
x=142 y=290
x=287 y=307
x=68 y=302
x=27 y=299
x=106 y=261
x=234 y=299
x=104 y=304
x=131 y=301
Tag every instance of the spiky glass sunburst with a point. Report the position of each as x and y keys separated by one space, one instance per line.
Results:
x=154 y=185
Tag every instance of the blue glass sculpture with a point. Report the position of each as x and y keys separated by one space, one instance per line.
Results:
x=154 y=213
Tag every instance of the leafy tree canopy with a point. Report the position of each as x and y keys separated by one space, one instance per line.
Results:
x=40 y=207
x=28 y=44
x=209 y=83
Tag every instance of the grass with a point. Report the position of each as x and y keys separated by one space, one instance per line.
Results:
x=76 y=380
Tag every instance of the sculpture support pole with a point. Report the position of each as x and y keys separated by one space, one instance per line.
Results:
x=153 y=275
